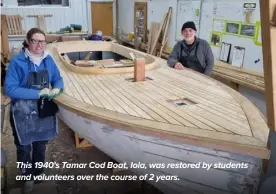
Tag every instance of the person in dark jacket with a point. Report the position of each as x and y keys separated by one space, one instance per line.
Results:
x=192 y=52
x=32 y=76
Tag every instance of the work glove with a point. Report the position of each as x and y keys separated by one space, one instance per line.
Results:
x=54 y=93
x=44 y=92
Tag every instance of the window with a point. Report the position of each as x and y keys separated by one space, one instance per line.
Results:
x=64 y=3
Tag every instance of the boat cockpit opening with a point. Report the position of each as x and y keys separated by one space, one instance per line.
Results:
x=100 y=59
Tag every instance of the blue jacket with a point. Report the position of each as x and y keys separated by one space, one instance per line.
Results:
x=17 y=75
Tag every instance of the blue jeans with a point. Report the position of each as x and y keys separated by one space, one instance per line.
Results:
x=37 y=149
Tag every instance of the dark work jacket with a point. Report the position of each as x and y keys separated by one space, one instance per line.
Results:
x=204 y=54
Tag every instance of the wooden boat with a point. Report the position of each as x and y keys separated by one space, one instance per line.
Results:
x=173 y=117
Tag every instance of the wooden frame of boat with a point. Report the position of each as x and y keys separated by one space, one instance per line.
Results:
x=150 y=64
x=181 y=109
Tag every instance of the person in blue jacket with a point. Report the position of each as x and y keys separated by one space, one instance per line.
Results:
x=32 y=76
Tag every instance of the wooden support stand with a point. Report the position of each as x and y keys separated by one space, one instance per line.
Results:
x=139 y=69
x=81 y=143
x=41 y=21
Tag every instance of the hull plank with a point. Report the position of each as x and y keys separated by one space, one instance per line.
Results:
x=129 y=147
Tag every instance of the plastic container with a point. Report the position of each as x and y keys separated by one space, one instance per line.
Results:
x=76 y=27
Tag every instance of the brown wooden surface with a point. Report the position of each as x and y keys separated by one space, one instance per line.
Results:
x=221 y=118
x=273 y=20
x=139 y=70
x=42 y=23
x=165 y=38
x=272 y=6
x=152 y=36
x=102 y=17
x=155 y=41
x=4 y=37
x=268 y=35
x=81 y=143
x=70 y=38
x=241 y=76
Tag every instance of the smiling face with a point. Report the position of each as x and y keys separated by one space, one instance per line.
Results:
x=36 y=44
x=189 y=35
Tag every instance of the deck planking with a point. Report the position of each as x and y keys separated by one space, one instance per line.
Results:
x=192 y=82
x=105 y=93
x=162 y=108
x=158 y=95
x=191 y=116
x=126 y=104
x=137 y=102
x=181 y=85
x=181 y=92
x=218 y=120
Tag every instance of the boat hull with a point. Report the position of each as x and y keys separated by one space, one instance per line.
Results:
x=125 y=146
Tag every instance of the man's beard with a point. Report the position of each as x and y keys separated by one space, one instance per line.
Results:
x=189 y=39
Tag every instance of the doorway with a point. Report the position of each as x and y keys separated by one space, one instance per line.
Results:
x=102 y=17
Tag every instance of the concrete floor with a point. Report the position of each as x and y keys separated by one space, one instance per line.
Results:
x=268 y=181
x=63 y=149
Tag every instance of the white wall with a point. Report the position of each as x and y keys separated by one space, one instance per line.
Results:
x=233 y=11
x=79 y=12
x=61 y=16
x=10 y=2
x=126 y=16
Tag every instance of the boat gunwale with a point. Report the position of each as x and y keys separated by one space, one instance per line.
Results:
x=119 y=121
x=95 y=70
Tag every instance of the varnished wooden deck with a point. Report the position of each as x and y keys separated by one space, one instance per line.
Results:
x=220 y=115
